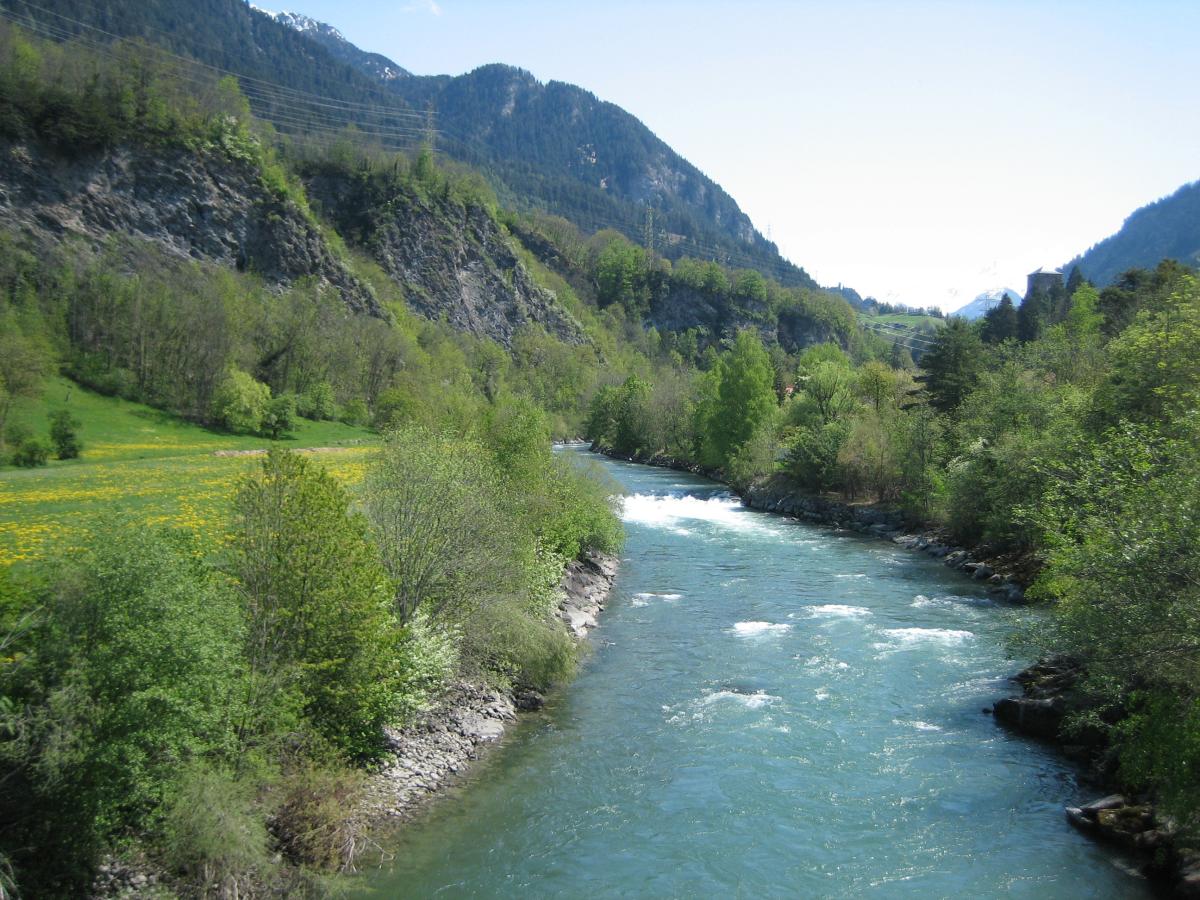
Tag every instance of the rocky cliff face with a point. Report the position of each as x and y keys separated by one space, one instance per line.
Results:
x=198 y=205
x=452 y=261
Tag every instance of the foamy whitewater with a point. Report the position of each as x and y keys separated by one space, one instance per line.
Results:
x=754 y=629
x=838 y=611
x=682 y=514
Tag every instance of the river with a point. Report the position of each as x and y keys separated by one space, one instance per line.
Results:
x=772 y=709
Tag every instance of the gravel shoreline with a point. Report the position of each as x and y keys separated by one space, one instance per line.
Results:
x=438 y=749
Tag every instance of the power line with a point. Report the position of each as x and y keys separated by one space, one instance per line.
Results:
x=286 y=114
x=275 y=86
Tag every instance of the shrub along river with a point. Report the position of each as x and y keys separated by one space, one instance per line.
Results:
x=772 y=709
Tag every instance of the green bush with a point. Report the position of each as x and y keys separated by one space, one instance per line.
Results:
x=355 y=412
x=318 y=402
x=315 y=821
x=63 y=427
x=31 y=453
x=239 y=403
x=280 y=417
x=214 y=833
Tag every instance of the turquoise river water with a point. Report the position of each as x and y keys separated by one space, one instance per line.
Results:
x=772 y=709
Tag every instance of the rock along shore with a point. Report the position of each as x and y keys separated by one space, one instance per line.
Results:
x=439 y=748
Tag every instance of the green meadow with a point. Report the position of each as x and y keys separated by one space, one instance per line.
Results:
x=143 y=461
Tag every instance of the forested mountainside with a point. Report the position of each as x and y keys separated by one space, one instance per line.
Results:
x=558 y=146
x=1165 y=229
x=551 y=146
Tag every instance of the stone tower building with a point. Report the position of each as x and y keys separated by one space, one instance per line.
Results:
x=1043 y=280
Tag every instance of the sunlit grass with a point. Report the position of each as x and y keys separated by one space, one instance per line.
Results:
x=139 y=461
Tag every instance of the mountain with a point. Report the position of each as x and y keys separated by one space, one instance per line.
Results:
x=1166 y=228
x=986 y=301
x=548 y=146
x=558 y=146
x=374 y=65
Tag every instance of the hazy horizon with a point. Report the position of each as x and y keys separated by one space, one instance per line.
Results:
x=920 y=155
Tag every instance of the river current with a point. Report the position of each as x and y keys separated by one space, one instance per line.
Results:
x=772 y=709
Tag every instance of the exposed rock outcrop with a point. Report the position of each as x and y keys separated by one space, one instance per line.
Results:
x=198 y=204
x=1048 y=699
x=451 y=260
x=681 y=308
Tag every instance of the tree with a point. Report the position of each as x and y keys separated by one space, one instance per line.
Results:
x=23 y=365
x=1123 y=560
x=63 y=427
x=239 y=402
x=135 y=672
x=1001 y=323
x=745 y=395
x=318 y=402
x=280 y=417
x=829 y=385
x=318 y=605
x=1155 y=360
x=953 y=364
x=1033 y=315
x=877 y=384
x=869 y=456
x=445 y=538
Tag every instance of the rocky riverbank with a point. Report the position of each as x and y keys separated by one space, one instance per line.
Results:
x=1007 y=576
x=1049 y=695
x=440 y=747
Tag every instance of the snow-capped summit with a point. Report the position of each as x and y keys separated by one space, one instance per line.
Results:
x=374 y=63
x=306 y=25
x=987 y=301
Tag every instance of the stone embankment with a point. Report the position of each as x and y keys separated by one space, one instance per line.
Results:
x=439 y=748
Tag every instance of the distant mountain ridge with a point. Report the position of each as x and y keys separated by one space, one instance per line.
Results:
x=375 y=65
x=1166 y=228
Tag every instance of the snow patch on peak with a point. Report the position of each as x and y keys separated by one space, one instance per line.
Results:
x=986 y=302
x=300 y=22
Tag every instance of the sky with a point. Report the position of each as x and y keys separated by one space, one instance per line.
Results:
x=918 y=152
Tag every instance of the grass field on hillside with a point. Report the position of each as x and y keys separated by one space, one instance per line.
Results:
x=919 y=323
x=145 y=463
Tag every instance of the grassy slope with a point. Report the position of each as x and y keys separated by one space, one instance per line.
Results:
x=143 y=461
x=915 y=322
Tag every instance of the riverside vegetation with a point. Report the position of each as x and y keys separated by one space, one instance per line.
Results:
x=1064 y=435
x=200 y=678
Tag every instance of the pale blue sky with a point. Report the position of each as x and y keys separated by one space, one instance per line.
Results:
x=920 y=152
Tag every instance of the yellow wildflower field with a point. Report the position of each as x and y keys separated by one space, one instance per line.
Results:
x=49 y=510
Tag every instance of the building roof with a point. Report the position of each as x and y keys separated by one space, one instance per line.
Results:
x=1047 y=271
